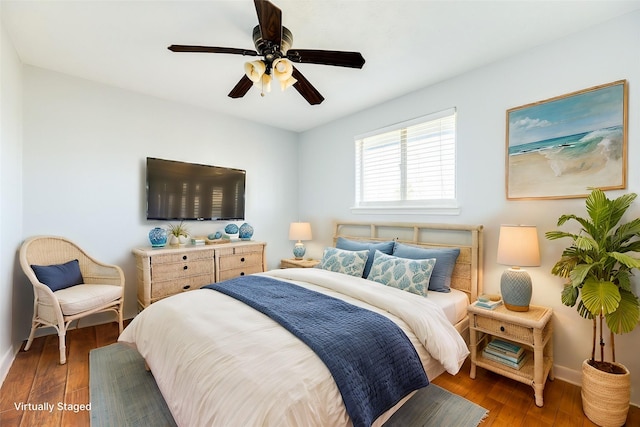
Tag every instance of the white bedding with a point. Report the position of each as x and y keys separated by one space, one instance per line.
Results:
x=454 y=304
x=219 y=362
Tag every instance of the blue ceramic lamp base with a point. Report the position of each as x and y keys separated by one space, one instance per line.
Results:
x=299 y=250
x=516 y=289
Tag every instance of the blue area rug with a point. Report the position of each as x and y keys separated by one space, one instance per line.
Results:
x=124 y=394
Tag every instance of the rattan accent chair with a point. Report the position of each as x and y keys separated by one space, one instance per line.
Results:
x=102 y=287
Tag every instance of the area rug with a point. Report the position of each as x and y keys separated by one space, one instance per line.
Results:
x=124 y=394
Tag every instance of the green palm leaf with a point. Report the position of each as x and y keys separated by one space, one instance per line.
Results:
x=598 y=207
x=625 y=259
x=600 y=297
x=627 y=316
x=579 y=273
x=569 y=295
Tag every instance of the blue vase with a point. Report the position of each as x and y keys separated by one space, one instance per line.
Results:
x=231 y=229
x=158 y=237
x=245 y=232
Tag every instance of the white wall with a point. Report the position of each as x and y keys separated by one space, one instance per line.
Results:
x=11 y=298
x=85 y=146
x=599 y=55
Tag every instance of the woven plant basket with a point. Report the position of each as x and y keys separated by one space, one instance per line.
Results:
x=605 y=397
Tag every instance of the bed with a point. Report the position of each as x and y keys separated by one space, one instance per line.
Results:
x=221 y=361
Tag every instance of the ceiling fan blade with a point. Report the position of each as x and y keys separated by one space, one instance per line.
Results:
x=211 y=49
x=270 y=20
x=326 y=57
x=306 y=89
x=241 y=88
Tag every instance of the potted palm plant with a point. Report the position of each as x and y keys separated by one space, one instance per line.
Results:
x=599 y=265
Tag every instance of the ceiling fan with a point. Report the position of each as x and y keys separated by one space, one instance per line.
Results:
x=273 y=42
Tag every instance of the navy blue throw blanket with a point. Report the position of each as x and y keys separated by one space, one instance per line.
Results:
x=370 y=358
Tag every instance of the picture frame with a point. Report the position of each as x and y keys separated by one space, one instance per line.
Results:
x=560 y=147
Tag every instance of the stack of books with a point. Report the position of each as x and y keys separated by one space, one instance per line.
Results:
x=505 y=352
x=198 y=241
x=488 y=302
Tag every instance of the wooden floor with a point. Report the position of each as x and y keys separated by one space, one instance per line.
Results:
x=36 y=377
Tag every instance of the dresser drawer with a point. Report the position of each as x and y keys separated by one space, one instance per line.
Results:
x=171 y=287
x=240 y=260
x=504 y=329
x=235 y=250
x=182 y=257
x=237 y=272
x=178 y=270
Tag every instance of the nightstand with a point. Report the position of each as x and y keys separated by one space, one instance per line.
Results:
x=532 y=328
x=298 y=263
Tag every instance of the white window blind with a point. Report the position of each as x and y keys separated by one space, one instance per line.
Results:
x=408 y=164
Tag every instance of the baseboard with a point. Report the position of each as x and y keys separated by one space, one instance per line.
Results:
x=7 y=360
x=568 y=375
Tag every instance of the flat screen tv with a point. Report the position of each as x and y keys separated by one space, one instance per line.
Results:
x=189 y=191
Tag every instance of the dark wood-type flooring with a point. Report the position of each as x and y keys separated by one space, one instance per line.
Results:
x=37 y=377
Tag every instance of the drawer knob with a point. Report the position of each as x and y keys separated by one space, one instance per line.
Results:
x=242 y=259
x=501 y=328
x=242 y=273
x=185 y=267
x=186 y=287
x=184 y=257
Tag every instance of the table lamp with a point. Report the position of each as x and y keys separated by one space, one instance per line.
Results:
x=299 y=231
x=517 y=247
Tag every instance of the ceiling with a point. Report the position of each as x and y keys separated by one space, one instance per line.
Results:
x=407 y=45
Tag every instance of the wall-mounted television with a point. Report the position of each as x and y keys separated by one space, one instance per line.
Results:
x=189 y=191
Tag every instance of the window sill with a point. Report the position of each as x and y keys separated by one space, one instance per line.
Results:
x=407 y=210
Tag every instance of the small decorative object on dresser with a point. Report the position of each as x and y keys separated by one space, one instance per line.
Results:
x=298 y=263
x=179 y=234
x=299 y=231
x=232 y=230
x=245 y=232
x=158 y=237
x=531 y=329
x=517 y=247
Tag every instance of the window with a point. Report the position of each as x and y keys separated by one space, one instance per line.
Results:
x=408 y=165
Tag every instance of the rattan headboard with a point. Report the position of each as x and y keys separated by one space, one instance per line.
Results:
x=467 y=274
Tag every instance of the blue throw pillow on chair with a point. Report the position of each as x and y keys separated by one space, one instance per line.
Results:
x=59 y=276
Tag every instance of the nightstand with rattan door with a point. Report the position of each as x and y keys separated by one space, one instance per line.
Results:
x=532 y=328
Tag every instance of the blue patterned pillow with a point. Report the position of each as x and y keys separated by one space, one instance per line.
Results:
x=356 y=245
x=445 y=263
x=410 y=275
x=342 y=261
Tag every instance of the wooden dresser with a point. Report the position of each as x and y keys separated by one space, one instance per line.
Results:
x=162 y=272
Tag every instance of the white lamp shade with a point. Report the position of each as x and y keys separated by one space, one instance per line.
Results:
x=282 y=71
x=518 y=246
x=255 y=70
x=300 y=231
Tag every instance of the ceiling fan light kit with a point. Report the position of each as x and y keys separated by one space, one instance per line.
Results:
x=273 y=42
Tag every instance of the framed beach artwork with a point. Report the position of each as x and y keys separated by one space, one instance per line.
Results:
x=560 y=147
